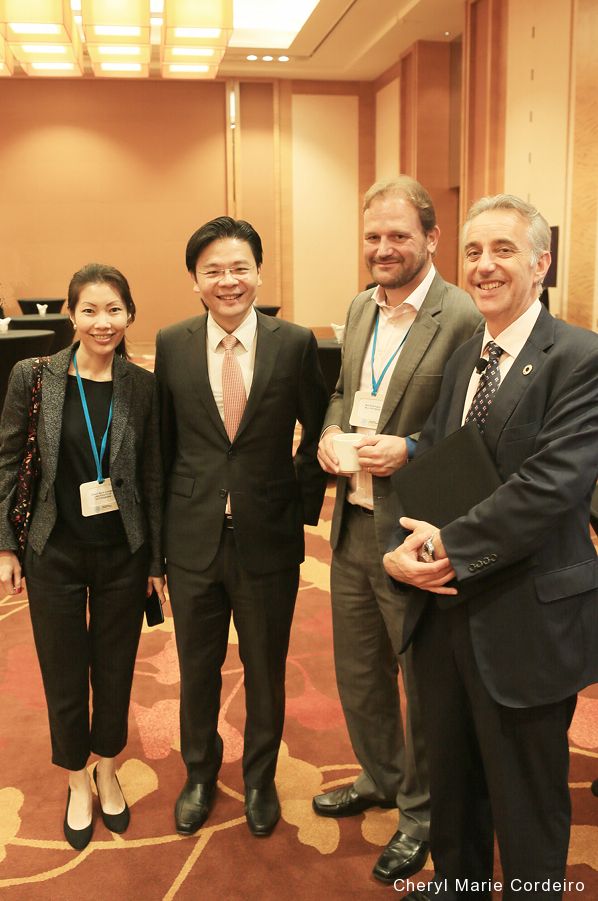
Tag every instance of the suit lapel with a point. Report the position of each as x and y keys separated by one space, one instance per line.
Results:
x=418 y=340
x=266 y=353
x=519 y=377
x=363 y=333
x=194 y=360
x=121 y=403
x=53 y=391
x=455 y=414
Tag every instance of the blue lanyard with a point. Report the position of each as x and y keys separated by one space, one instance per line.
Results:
x=98 y=459
x=377 y=382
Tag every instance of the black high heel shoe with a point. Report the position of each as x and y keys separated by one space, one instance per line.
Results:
x=115 y=822
x=77 y=838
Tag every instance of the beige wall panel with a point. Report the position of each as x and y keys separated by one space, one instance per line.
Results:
x=582 y=282
x=537 y=110
x=325 y=206
x=257 y=168
x=119 y=172
x=387 y=130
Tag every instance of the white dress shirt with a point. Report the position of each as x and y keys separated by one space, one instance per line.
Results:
x=393 y=326
x=512 y=340
x=246 y=335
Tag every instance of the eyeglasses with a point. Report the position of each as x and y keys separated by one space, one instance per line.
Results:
x=216 y=275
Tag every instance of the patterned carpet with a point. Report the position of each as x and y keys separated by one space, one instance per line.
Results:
x=306 y=857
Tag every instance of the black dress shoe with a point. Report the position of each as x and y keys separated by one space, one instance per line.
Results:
x=403 y=856
x=193 y=806
x=77 y=838
x=344 y=802
x=262 y=809
x=115 y=822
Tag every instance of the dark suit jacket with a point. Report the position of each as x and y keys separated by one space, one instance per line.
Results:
x=134 y=451
x=524 y=557
x=272 y=493
x=446 y=319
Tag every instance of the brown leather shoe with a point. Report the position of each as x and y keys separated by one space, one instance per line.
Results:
x=262 y=809
x=344 y=802
x=193 y=806
x=402 y=857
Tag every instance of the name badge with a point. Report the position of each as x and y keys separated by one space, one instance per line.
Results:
x=366 y=410
x=97 y=498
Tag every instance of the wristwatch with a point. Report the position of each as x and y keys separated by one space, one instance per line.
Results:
x=426 y=553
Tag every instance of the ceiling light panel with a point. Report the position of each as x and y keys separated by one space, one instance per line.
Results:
x=197 y=23
x=269 y=23
x=116 y=21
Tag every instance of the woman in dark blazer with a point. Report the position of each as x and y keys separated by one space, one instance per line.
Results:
x=93 y=550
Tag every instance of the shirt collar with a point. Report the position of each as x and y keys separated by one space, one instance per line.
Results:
x=516 y=334
x=411 y=303
x=244 y=333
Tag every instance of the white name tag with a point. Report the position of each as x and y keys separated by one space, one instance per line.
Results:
x=366 y=410
x=96 y=498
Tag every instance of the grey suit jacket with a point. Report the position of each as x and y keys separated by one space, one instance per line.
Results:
x=523 y=557
x=446 y=319
x=135 y=469
x=273 y=491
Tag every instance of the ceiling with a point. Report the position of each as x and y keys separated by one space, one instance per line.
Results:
x=340 y=40
x=353 y=39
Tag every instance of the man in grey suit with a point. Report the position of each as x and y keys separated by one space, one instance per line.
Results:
x=398 y=337
x=504 y=626
x=233 y=384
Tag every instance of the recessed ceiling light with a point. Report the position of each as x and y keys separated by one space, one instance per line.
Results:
x=283 y=59
x=267 y=59
x=252 y=57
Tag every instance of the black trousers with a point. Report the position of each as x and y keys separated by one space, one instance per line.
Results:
x=86 y=605
x=492 y=768
x=262 y=608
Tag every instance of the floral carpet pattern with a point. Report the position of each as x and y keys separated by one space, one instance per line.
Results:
x=306 y=857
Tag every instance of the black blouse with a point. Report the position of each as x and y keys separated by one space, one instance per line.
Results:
x=76 y=464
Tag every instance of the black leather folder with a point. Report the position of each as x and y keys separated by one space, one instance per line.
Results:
x=449 y=479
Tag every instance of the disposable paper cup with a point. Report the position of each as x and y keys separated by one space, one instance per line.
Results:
x=345 y=450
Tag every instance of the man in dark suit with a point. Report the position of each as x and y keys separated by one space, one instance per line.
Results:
x=500 y=656
x=232 y=384
x=398 y=337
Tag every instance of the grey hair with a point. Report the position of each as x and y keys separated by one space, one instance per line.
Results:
x=538 y=228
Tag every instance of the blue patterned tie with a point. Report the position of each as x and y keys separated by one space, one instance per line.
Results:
x=487 y=387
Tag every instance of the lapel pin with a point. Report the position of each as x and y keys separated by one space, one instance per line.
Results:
x=527 y=369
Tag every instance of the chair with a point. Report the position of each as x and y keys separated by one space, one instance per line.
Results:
x=19 y=345
x=29 y=304
x=58 y=323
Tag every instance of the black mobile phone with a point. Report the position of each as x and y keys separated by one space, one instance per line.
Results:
x=154 y=614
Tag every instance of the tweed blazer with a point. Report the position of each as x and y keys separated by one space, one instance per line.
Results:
x=446 y=319
x=135 y=468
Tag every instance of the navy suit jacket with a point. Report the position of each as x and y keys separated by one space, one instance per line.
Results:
x=273 y=491
x=523 y=557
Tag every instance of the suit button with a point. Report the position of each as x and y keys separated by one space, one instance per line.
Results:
x=493 y=558
x=472 y=567
x=230 y=454
x=479 y=564
x=486 y=561
x=223 y=492
x=118 y=483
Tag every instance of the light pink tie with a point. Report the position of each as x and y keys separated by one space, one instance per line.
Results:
x=233 y=387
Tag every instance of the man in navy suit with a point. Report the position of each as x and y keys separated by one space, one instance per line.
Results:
x=512 y=634
x=233 y=383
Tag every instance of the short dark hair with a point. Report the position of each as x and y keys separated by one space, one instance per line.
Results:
x=410 y=189
x=222 y=227
x=98 y=274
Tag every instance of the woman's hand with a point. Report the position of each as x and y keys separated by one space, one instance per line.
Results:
x=157 y=582
x=10 y=573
